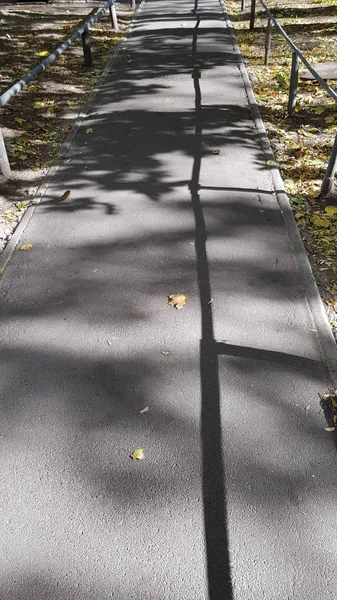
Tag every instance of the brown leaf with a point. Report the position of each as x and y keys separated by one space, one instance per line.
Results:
x=64 y=196
x=67 y=128
x=177 y=300
x=1 y=271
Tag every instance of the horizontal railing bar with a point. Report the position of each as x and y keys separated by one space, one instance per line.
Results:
x=32 y=74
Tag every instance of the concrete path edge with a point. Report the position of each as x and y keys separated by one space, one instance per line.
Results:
x=324 y=332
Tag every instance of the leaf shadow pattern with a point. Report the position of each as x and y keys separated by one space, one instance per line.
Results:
x=94 y=392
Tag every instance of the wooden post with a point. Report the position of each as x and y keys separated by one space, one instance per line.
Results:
x=4 y=162
x=86 y=48
x=268 y=42
x=113 y=16
x=293 y=84
x=252 y=15
x=243 y=4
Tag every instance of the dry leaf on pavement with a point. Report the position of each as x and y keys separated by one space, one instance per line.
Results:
x=1 y=271
x=26 y=247
x=177 y=300
x=144 y=410
x=138 y=454
x=64 y=196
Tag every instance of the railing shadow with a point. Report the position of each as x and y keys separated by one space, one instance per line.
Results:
x=213 y=475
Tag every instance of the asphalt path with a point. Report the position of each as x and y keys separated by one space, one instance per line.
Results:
x=235 y=498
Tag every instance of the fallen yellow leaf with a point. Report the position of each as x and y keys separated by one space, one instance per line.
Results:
x=144 y=410
x=138 y=454
x=319 y=221
x=307 y=133
x=26 y=247
x=43 y=53
x=64 y=196
x=329 y=428
x=331 y=210
x=89 y=130
x=1 y=271
x=177 y=300
x=319 y=110
x=216 y=151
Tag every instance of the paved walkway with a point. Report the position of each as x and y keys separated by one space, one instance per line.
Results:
x=170 y=193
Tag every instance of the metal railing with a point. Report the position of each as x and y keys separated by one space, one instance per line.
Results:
x=82 y=31
x=329 y=178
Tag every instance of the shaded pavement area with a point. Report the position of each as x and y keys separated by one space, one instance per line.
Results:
x=170 y=193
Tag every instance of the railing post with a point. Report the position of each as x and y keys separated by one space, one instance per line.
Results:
x=252 y=15
x=113 y=16
x=268 y=42
x=328 y=182
x=243 y=4
x=4 y=162
x=86 y=48
x=293 y=84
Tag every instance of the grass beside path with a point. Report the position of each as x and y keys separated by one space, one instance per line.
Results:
x=302 y=143
x=37 y=120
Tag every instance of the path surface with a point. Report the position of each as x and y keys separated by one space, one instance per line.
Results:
x=236 y=496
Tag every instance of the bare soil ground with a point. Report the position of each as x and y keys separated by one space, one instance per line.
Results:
x=37 y=120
